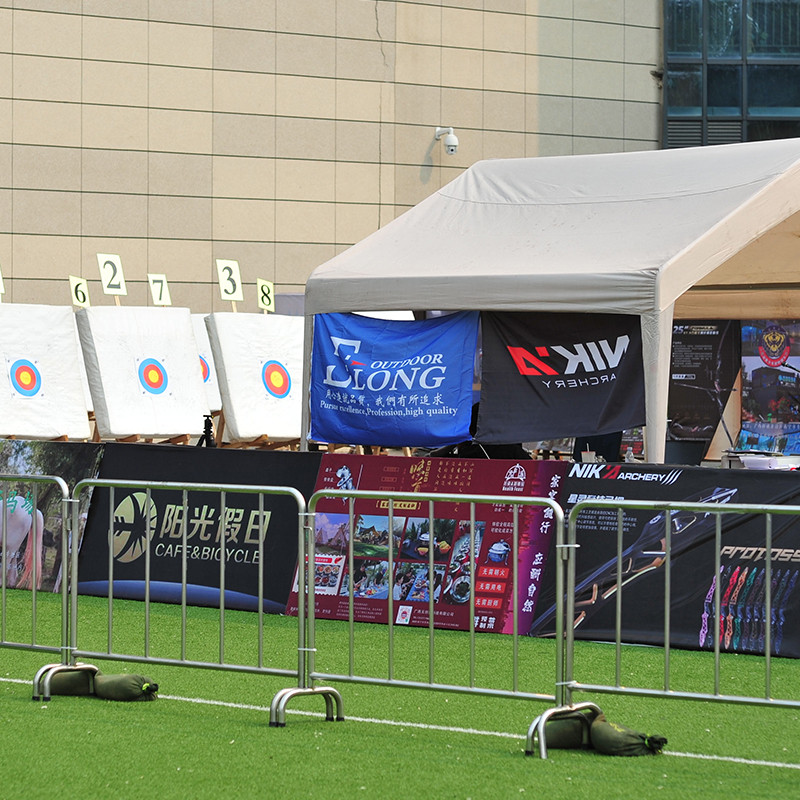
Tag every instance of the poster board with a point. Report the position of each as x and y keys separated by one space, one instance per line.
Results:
x=412 y=539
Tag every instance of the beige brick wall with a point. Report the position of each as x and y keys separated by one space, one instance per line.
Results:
x=280 y=133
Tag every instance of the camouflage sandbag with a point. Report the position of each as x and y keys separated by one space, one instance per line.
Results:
x=75 y=682
x=125 y=687
x=569 y=731
x=613 y=739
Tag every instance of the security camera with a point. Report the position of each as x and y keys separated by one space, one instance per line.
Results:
x=450 y=140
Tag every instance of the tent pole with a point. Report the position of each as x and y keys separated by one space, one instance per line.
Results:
x=656 y=354
x=305 y=423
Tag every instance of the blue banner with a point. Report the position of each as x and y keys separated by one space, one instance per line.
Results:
x=392 y=383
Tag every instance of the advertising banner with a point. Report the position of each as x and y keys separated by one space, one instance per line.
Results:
x=412 y=537
x=548 y=375
x=391 y=382
x=34 y=511
x=770 y=386
x=743 y=559
x=165 y=510
x=705 y=362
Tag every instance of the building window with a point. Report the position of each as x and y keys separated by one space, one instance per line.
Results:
x=732 y=71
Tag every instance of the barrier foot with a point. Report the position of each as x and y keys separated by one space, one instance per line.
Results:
x=537 y=727
x=37 y=688
x=277 y=709
x=41 y=683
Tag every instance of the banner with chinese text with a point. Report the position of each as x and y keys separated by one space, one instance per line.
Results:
x=391 y=382
x=412 y=538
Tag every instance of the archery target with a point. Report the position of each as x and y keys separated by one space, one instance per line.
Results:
x=259 y=364
x=277 y=380
x=43 y=397
x=143 y=371
x=153 y=376
x=25 y=377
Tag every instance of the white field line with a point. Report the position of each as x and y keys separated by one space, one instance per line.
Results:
x=445 y=728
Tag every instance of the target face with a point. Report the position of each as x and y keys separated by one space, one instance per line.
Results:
x=206 y=369
x=25 y=377
x=276 y=379
x=152 y=376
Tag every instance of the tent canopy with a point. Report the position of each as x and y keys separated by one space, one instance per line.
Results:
x=697 y=232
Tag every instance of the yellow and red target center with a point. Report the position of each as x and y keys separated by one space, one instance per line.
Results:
x=26 y=378
x=153 y=376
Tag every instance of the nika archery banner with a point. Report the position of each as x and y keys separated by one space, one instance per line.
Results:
x=547 y=375
x=695 y=570
x=390 y=382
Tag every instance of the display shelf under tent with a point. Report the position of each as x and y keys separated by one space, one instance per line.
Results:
x=259 y=363
x=43 y=397
x=144 y=373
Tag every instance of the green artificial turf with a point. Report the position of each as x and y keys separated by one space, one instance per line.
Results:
x=208 y=735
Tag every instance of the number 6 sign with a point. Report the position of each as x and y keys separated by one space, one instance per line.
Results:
x=230 y=282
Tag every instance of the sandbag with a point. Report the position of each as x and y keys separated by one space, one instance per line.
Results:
x=569 y=731
x=75 y=682
x=125 y=687
x=613 y=739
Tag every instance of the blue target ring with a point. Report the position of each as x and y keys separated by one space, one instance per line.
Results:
x=25 y=377
x=153 y=376
x=277 y=380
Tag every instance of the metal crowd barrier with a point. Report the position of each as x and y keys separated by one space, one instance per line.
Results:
x=144 y=654
x=716 y=605
x=512 y=685
x=23 y=525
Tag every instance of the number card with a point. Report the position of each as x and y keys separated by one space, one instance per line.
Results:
x=111 y=274
x=79 y=290
x=2 y=287
x=266 y=294
x=230 y=282
x=159 y=289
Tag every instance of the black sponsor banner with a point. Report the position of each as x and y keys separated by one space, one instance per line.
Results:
x=165 y=510
x=547 y=375
x=705 y=361
x=743 y=559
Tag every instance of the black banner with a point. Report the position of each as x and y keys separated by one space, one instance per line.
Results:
x=166 y=511
x=705 y=361
x=743 y=558
x=547 y=375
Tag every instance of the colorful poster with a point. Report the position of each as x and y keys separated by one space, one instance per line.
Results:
x=392 y=382
x=34 y=510
x=770 y=386
x=412 y=538
x=548 y=375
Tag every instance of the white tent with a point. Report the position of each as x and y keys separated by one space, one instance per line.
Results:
x=698 y=232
